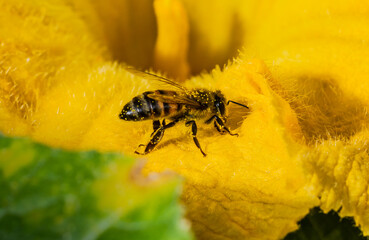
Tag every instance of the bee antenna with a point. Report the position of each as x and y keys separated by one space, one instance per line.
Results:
x=237 y=103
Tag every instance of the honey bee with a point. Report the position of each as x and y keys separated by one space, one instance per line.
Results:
x=179 y=105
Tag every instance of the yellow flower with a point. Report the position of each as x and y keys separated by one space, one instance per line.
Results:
x=302 y=144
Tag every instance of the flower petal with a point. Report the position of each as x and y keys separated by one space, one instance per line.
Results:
x=173 y=28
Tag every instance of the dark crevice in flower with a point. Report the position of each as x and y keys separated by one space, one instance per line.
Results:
x=319 y=225
x=203 y=58
x=132 y=34
x=130 y=31
x=325 y=111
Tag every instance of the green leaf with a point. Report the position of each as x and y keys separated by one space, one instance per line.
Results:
x=49 y=193
x=319 y=226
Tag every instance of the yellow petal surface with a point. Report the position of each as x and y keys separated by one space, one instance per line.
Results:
x=318 y=52
x=340 y=173
x=39 y=49
x=318 y=49
x=173 y=37
x=127 y=28
x=216 y=32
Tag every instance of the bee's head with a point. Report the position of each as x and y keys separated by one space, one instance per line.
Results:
x=219 y=104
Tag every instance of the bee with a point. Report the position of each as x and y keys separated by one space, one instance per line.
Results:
x=179 y=105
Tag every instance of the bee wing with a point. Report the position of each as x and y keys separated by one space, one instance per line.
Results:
x=151 y=76
x=182 y=99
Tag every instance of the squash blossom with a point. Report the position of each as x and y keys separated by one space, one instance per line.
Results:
x=302 y=70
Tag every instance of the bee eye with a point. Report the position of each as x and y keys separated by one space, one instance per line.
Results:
x=220 y=107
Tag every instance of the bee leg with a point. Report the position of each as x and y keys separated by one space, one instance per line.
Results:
x=171 y=124
x=219 y=125
x=156 y=137
x=194 y=133
x=216 y=125
x=210 y=119
x=156 y=125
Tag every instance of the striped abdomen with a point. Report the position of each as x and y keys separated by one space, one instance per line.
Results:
x=143 y=107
